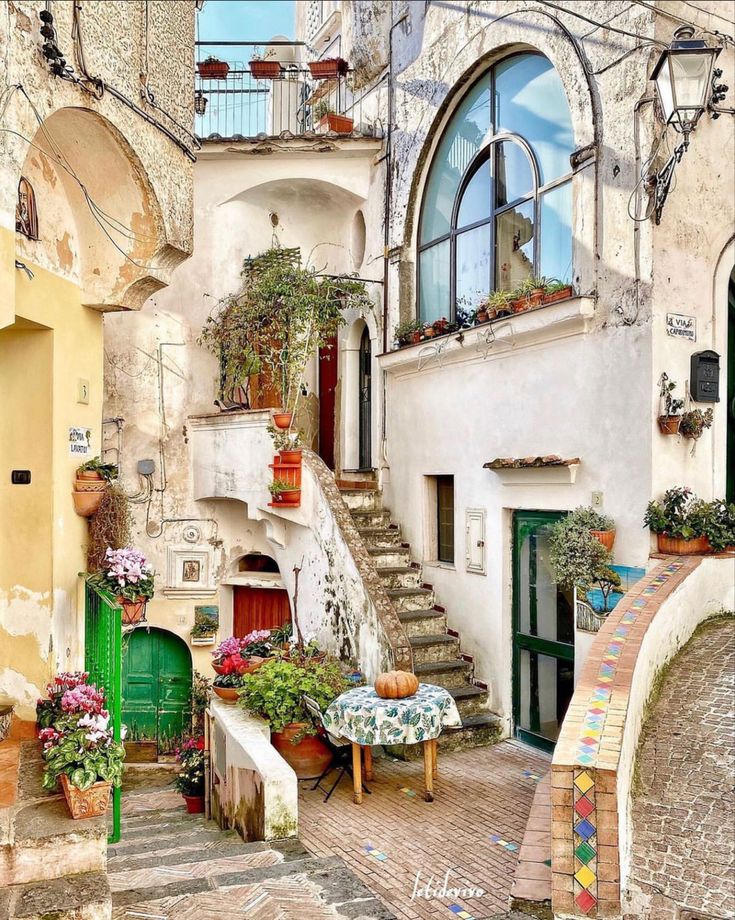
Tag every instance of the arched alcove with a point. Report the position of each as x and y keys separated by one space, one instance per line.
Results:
x=358 y=392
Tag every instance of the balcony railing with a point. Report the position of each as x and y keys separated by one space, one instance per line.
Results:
x=239 y=105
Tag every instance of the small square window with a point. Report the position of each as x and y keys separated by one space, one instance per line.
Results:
x=445 y=518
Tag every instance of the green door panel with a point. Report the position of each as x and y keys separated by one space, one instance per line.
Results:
x=156 y=685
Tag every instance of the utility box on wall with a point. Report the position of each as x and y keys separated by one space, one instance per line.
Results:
x=475 y=540
x=704 y=376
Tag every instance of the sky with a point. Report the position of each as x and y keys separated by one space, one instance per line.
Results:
x=245 y=20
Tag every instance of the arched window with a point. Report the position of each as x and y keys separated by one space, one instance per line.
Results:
x=497 y=206
x=26 y=216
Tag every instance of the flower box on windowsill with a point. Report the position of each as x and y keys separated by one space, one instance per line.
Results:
x=203 y=640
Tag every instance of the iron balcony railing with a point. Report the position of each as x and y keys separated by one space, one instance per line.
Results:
x=240 y=105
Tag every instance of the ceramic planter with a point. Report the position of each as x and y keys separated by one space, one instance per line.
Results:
x=213 y=70
x=218 y=668
x=340 y=124
x=133 y=612
x=87 y=503
x=90 y=485
x=308 y=758
x=291 y=456
x=228 y=694
x=194 y=804
x=520 y=305
x=558 y=295
x=606 y=537
x=669 y=424
x=282 y=420
x=290 y=497
x=328 y=68
x=416 y=337
x=87 y=803
x=675 y=546
x=265 y=70
x=202 y=640
x=90 y=475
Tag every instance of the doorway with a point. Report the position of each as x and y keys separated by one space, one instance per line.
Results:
x=327 y=396
x=730 y=481
x=156 y=687
x=543 y=634
x=259 y=608
x=365 y=415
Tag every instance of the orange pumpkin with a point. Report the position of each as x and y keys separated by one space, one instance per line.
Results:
x=394 y=685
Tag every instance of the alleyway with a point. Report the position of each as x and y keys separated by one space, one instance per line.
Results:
x=483 y=793
x=684 y=806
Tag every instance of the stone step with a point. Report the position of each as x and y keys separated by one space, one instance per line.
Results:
x=400 y=576
x=450 y=673
x=470 y=700
x=421 y=622
x=290 y=849
x=411 y=598
x=477 y=731
x=434 y=647
x=200 y=837
x=379 y=518
x=389 y=555
x=362 y=499
x=151 y=818
x=163 y=828
x=84 y=896
x=373 y=536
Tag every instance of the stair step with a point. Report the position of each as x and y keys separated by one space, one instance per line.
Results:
x=470 y=700
x=74 y=897
x=411 y=598
x=371 y=518
x=362 y=499
x=163 y=828
x=434 y=647
x=390 y=555
x=154 y=842
x=477 y=731
x=452 y=672
x=400 y=576
x=380 y=535
x=421 y=622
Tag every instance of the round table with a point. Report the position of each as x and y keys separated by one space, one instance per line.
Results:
x=365 y=718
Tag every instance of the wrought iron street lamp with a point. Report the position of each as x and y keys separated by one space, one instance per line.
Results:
x=200 y=102
x=684 y=76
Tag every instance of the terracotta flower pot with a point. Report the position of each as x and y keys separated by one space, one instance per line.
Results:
x=328 y=68
x=520 y=305
x=536 y=298
x=89 y=485
x=416 y=337
x=265 y=70
x=340 y=124
x=228 y=694
x=133 y=612
x=194 y=804
x=308 y=758
x=90 y=475
x=290 y=497
x=669 y=424
x=87 y=503
x=675 y=546
x=282 y=420
x=606 y=537
x=218 y=668
x=559 y=295
x=291 y=456
x=87 y=803
x=213 y=70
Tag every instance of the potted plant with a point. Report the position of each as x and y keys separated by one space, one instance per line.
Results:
x=720 y=526
x=678 y=522
x=498 y=304
x=576 y=557
x=227 y=686
x=130 y=579
x=669 y=418
x=212 y=68
x=599 y=525
x=427 y=331
x=284 y=493
x=328 y=68
x=328 y=120
x=528 y=294
x=95 y=470
x=557 y=290
x=189 y=779
x=204 y=630
x=441 y=326
x=694 y=422
x=241 y=655
x=263 y=69
x=408 y=333
x=482 y=314
x=275 y=692
x=92 y=480
x=288 y=445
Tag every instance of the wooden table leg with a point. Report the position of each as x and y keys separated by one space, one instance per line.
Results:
x=428 y=771
x=357 y=773
x=434 y=749
x=368 y=755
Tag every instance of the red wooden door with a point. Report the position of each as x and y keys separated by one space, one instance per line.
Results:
x=259 y=608
x=327 y=388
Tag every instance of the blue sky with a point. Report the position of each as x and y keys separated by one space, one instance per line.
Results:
x=246 y=20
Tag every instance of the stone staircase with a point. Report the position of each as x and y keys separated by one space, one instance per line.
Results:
x=436 y=651
x=173 y=866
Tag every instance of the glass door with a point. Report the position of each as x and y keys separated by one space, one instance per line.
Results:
x=543 y=634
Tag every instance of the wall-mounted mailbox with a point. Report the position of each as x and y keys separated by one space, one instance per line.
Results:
x=20 y=477
x=704 y=376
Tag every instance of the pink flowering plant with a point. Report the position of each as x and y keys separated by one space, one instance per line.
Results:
x=126 y=574
x=256 y=644
x=190 y=759
x=49 y=710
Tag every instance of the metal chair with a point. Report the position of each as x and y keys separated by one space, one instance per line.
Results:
x=341 y=749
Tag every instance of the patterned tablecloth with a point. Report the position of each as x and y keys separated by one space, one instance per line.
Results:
x=365 y=718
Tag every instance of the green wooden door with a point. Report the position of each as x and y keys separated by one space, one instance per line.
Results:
x=156 y=685
x=543 y=634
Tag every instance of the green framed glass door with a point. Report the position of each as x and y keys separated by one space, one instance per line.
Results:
x=543 y=634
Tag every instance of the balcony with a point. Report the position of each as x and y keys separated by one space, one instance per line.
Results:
x=239 y=104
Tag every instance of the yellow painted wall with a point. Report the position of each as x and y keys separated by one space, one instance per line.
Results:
x=54 y=343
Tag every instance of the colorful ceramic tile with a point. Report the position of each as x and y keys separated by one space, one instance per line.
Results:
x=584 y=829
x=373 y=851
x=584 y=782
x=583 y=807
x=505 y=844
x=585 y=876
x=409 y=792
x=584 y=852
x=460 y=912
x=639 y=603
x=585 y=901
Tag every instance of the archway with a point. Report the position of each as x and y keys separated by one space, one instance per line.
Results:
x=357 y=382
x=259 y=598
x=157 y=674
x=364 y=397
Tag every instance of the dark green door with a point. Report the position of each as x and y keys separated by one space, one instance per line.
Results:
x=156 y=686
x=543 y=634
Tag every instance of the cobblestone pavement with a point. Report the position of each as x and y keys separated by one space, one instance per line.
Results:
x=684 y=804
x=472 y=830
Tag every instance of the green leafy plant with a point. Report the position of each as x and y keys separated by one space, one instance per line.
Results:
x=499 y=302
x=672 y=515
x=86 y=755
x=285 y=440
x=108 y=471
x=322 y=108
x=278 y=486
x=198 y=701
x=670 y=405
x=576 y=557
x=587 y=517
x=275 y=691
x=719 y=524
x=230 y=681
x=204 y=625
x=404 y=331
x=281 y=635
x=554 y=286
x=189 y=779
x=694 y=422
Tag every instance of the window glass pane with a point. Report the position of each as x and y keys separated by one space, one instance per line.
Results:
x=545 y=609
x=476 y=203
x=473 y=267
x=514 y=240
x=513 y=174
x=546 y=685
x=461 y=141
x=445 y=518
x=434 y=280
x=530 y=101
x=556 y=233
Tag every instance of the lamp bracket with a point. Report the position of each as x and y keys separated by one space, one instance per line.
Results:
x=658 y=184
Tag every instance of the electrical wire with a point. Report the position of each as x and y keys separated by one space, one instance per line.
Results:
x=602 y=25
x=594 y=22
x=699 y=9
x=660 y=11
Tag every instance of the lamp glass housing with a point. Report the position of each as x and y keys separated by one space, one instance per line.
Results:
x=683 y=77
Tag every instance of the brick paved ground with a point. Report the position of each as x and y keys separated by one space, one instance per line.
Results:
x=480 y=794
x=684 y=804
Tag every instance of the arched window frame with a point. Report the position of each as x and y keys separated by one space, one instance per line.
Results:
x=491 y=141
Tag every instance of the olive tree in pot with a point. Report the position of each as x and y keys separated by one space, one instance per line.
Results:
x=579 y=559
x=275 y=692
